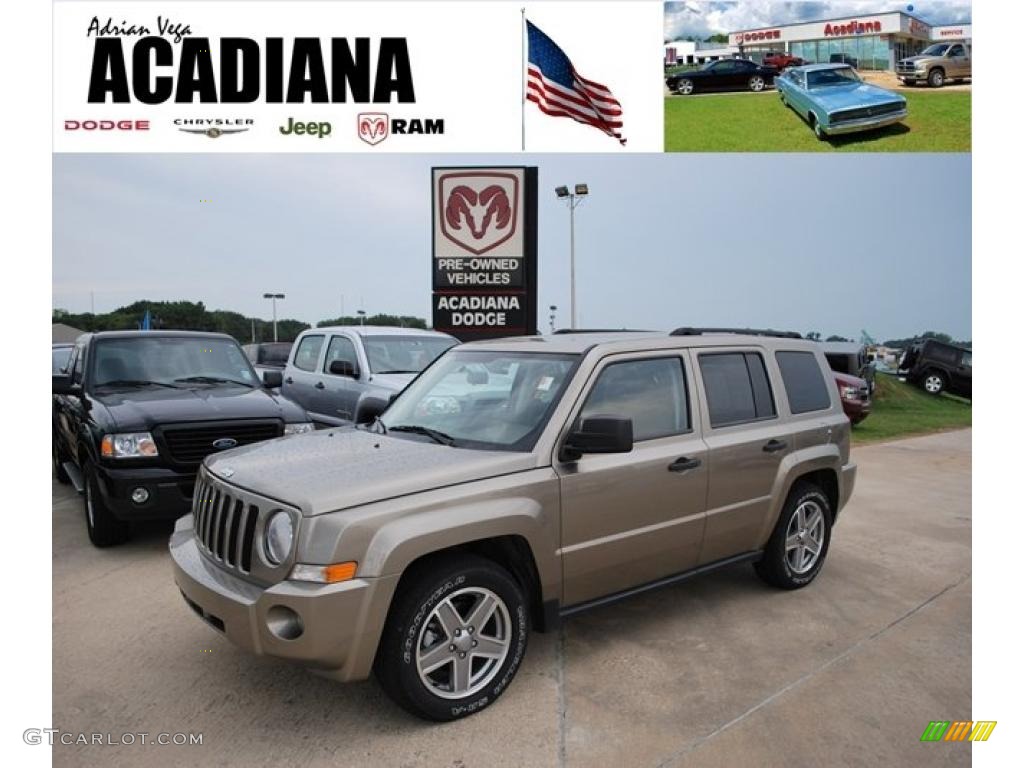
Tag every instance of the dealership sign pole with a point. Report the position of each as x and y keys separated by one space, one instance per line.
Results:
x=484 y=251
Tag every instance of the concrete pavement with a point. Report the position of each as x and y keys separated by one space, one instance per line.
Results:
x=720 y=670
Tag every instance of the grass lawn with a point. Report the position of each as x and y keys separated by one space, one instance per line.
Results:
x=753 y=122
x=902 y=410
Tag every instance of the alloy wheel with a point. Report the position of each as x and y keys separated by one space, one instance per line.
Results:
x=805 y=536
x=685 y=87
x=756 y=83
x=933 y=384
x=463 y=643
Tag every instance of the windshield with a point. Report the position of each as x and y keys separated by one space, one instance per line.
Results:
x=60 y=358
x=170 y=361
x=403 y=354
x=825 y=78
x=490 y=400
x=935 y=50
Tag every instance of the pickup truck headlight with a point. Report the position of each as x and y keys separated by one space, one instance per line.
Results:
x=298 y=428
x=277 y=537
x=131 y=445
x=920 y=66
x=849 y=393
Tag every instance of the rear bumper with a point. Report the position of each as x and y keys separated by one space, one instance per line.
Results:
x=339 y=624
x=170 y=492
x=865 y=124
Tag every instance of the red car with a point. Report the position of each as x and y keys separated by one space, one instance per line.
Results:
x=780 y=60
x=855 y=396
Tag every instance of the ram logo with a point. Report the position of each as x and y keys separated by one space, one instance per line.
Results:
x=223 y=443
x=479 y=210
x=373 y=127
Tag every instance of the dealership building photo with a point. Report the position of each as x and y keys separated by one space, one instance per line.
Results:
x=870 y=42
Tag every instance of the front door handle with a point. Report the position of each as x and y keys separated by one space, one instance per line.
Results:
x=683 y=464
x=289 y=380
x=319 y=385
x=773 y=446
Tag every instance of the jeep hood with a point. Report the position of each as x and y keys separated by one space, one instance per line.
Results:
x=340 y=468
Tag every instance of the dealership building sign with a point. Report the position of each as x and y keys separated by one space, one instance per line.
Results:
x=484 y=254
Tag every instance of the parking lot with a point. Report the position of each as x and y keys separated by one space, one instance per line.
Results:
x=717 y=671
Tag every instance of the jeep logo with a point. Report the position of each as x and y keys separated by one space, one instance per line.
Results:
x=223 y=443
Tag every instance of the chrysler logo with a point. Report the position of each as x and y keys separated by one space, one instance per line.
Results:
x=223 y=443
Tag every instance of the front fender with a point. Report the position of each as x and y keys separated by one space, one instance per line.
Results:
x=795 y=465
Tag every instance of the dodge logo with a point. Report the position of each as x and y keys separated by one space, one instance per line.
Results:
x=479 y=211
x=372 y=126
x=223 y=443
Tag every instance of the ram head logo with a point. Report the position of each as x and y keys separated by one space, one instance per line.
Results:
x=373 y=127
x=479 y=209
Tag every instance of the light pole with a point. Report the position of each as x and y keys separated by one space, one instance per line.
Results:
x=554 y=309
x=273 y=300
x=362 y=316
x=572 y=199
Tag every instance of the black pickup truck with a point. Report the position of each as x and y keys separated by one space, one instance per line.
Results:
x=136 y=412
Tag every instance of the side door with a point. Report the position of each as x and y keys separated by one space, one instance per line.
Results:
x=959 y=64
x=339 y=396
x=301 y=374
x=746 y=439
x=961 y=376
x=72 y=412
x=632 y=518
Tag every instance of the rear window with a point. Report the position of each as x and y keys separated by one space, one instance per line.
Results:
x=805 y=386
x=737 y=387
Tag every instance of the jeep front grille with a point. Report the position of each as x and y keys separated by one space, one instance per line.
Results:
x=224 y=523
x=190 y=444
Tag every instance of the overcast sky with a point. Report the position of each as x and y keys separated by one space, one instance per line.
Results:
x=833 y=244
x=701 y=19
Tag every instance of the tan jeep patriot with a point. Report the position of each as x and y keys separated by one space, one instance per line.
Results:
x=513 y=483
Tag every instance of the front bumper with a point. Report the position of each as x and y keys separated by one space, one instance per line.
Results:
x=865 y=124
x=170 y=492
x=340 y=623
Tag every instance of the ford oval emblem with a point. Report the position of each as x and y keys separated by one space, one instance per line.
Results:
x=224 y=443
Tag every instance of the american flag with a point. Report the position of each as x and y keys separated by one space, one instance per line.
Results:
x=554 y=85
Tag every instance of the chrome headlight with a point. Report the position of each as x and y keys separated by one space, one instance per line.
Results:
x=298 y=428
x=131 y=445
x=277 y=537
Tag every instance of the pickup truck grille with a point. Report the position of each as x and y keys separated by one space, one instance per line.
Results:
x=905 y=68
x=224 y=523
x=189 y=444
x=864 y=112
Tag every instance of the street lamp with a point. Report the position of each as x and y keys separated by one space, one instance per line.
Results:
x=554 y=309
x=572 y=199
x=273 y=300
x=362 y=316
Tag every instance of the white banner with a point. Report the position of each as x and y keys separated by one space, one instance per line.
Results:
x=341 y=76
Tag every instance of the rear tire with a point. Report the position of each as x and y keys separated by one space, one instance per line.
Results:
x=437 y=659
x=105 y=530
x=799 y=544
x=756 y=83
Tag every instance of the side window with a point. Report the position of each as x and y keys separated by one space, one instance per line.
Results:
x=341 y=348
x=737 y=387
x=956 y=50
x=650 y=392
x=805 y=386
x=307 y=352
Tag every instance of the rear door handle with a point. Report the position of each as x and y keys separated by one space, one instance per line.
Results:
x=319 y=385
x=773 y=446
x=683 y=464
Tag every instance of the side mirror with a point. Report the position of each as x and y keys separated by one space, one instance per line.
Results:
x=370 y=408
x=62 y=385
x=599 y=434
x=343 y=368
x=273 y=379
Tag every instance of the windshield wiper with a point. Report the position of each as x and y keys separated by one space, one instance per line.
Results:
x=135 y=383
x=435 y=435
x=213 y=380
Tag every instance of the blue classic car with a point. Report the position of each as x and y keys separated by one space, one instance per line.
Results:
x=834 y=100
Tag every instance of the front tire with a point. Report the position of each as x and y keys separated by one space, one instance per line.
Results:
x=684 y=87
x=58 y=463
x=105 y=530
x=797 y=548
x=936 y=78
x=818 y=132
x=455 y=637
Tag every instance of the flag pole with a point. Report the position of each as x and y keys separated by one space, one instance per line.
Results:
x=522 y=73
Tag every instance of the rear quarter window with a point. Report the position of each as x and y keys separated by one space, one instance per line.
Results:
x=806 y=390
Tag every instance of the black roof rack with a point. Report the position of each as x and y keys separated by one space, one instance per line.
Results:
x=562 y=331
x=687 y=331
